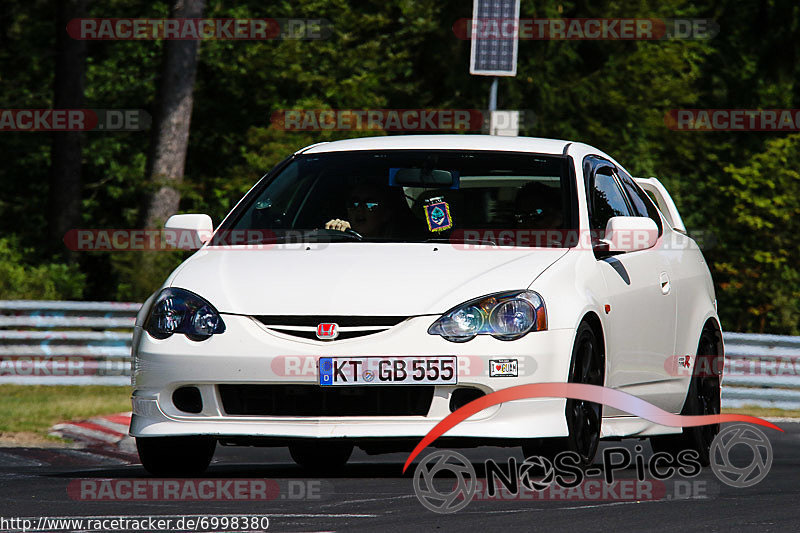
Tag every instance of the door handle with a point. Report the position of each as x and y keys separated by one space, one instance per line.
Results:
x=665 y=285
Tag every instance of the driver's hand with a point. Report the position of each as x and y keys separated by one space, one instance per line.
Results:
x=337 y=224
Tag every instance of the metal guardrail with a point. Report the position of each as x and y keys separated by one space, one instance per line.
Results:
x=52 y=342
x=66 y=343
x=761 y=370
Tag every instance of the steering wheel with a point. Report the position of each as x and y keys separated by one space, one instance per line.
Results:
x=354 y=233
x=351 y=233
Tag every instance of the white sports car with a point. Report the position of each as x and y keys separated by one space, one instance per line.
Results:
x=365 y=289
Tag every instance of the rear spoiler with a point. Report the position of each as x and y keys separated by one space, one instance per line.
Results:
x=663 y=200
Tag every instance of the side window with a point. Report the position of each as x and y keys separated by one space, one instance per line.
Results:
x=642 y=204
x=608 y=201
x=268 y=209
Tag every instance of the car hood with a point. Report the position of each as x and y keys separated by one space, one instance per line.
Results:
x=357 y=278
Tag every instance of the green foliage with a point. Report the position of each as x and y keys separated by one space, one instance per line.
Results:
x=740 y=187
x=757 y=268
x=140 y=274
x=49 y=281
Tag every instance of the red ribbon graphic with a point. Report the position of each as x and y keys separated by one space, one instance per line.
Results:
x=579 y=391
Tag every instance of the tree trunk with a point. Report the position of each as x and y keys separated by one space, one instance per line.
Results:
x=65 y=157
x=173 y=116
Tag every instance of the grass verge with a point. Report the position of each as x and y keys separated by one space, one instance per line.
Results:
x=32 y=409
x=763 y=412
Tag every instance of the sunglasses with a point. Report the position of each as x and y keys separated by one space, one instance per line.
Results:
x=520 y=217
x=369 y=206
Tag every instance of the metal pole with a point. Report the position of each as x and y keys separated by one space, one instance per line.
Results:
x=493 y=96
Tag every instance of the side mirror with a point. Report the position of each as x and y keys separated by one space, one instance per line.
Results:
x=630 y=234
x=188 y=232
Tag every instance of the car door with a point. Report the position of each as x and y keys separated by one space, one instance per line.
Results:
x=640 y=324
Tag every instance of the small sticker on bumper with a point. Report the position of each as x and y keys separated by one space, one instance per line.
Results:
x=503 y=368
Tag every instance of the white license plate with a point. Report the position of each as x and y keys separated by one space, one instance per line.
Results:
x=437 y=370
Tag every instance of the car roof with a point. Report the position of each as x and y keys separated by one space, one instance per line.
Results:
x=442 y=142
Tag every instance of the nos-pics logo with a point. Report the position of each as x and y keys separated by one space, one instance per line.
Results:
x=446 y=482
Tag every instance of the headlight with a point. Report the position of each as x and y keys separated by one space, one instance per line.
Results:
x=181 y=311
x=506 y=316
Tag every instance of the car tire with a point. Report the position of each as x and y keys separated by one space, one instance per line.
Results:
x=321 y=457
x=583 y=418
x=176 y=456
x=703 y=398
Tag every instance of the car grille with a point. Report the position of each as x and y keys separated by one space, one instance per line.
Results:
x=313 y=400
x=305 y=326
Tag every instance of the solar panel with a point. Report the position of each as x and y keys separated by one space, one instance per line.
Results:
x=495 y=36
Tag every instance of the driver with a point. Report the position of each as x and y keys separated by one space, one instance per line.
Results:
x=538 y=207
x=371 y=212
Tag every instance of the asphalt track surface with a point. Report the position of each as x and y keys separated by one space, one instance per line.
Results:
x=372 y=494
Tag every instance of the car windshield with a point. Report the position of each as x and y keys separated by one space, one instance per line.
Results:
x=409 y=196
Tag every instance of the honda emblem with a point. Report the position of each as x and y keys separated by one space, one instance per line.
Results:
x=327 y=331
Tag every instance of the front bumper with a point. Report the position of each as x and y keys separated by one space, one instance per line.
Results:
x=249 y=353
